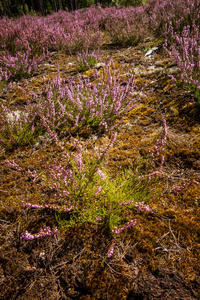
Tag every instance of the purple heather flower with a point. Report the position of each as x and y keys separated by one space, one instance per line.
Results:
x=98 y=219
x=127 y=203
x=131 y=223
x=98 y=191
x=101 y=174
x=44 y=232
x=111 y=250
x=142 y=206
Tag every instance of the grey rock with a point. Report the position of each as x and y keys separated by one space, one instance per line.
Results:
x=172 y=71
x=147 y=71
x=152 y=70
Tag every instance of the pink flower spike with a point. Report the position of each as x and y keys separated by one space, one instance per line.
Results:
x=142 y=206
x=111 y=250
x=98 y=191
x=101 y=174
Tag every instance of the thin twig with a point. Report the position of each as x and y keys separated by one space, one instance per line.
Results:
x=172 y=233
x=117 y=272
x=162 y=237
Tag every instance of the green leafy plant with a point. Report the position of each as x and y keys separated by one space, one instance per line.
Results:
x=82 y=188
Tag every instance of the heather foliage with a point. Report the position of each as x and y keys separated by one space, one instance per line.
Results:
x=124 y=25
x=87 y=59
x=18 y=127
x=100 y=105
x=166 y=14
x=79 y=186
x=26 y=42
x=179 y=22
x=19 y=66
x=186 y=52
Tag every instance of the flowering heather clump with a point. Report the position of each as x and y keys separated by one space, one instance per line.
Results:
x=72 y=186
x=69 y=183
x=100 y=106
x=186 y=51
x=79 y=180
x=124 y=25
x=23 y=34
x=87 y=59
x=78 y=185
x=25 y=42
x=166 y=14
x=97 y=105
x=23 y=46
x=78 y=31
x=21 y=65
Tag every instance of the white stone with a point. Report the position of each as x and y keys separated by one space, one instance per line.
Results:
x=99 y=65
x=150 y=53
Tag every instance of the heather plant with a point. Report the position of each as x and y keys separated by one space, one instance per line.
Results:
x=8 y=35
x=30 y=37
x=166 y=14
x=18 y=127
x=23 y=47
x=80 y=186
x=25 y=33
x=100 y=105
x=75 y=31
x=124 y=26
x=21 y=65
x=85 y=60
x=78 y=39
x=186 y=52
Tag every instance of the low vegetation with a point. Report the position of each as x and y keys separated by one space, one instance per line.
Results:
x=95 y=148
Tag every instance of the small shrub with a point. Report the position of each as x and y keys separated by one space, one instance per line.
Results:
x=85 y=60
x=100 y=105
x=21 y=65
x=186 y=52
x=124 y=26
x=81 y=187
x=166 y=14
